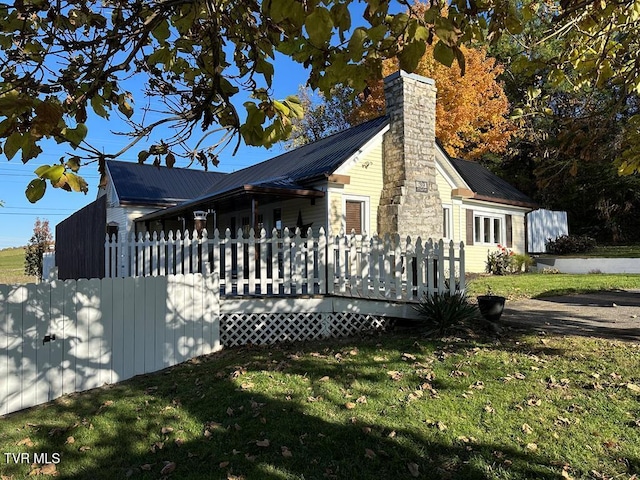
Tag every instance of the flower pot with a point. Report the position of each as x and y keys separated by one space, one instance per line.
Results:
x=491 y=306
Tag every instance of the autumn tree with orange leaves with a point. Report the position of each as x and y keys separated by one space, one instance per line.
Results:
x=471 y=109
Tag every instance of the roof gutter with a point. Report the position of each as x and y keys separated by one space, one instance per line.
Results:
x=515 y=203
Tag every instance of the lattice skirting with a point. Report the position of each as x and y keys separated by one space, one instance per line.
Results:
x=267 y=328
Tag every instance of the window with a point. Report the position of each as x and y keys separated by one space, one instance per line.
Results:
x=446 y=222
x=488 y=229
x=277 y=218
x=354 y=215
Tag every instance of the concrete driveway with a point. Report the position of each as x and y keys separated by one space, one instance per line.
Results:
x=614 y=315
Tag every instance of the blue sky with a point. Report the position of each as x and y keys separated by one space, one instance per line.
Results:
x=18 y=215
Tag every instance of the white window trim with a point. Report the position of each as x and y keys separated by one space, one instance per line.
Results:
x=449 y=208
x=492 y=216
x=366 y=211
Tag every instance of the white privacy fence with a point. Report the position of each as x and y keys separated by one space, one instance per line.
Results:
x=543 y=225
x=289 y=263
x=61 y=337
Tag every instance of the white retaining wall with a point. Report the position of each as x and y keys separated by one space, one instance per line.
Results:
x=589 y=265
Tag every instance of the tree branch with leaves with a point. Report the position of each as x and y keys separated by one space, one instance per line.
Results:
x=63 y=62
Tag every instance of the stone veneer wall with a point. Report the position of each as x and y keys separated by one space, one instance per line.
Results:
x=410 y=203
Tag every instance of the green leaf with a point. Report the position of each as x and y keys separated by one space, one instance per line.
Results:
x=266 y=68
x=319 y=26
x=294 y=104
x=446 y=31
x=410 y=56
x=161 y=32
x=97 y=103
x=142 y=156
x=443 y=53
x=13 y=144
x=356 y=43
x=75 y=136
x=124 y=106
x=50 y=172
x=161 y=55
x=35 y=190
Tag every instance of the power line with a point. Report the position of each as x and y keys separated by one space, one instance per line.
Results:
x=36 y=214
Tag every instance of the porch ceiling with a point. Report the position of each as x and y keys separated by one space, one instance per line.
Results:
x=239 y=199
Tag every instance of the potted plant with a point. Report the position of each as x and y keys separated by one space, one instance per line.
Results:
x=491 y=306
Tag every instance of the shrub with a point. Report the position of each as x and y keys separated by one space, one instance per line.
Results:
x=441 y=312
x=500 y=262
x=521 y=263
x=566 y=244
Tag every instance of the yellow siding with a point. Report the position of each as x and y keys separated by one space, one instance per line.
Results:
x=366 y=181
x=444 y=189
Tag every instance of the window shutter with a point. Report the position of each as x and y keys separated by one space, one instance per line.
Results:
x=509 y=230
x=469 y=227
x=353 y=217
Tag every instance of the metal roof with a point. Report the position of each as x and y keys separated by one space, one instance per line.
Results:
x=292 y=171
x=297 y=167
x=486 y=184
x=150 y=185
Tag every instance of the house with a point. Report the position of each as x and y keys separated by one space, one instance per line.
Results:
x=388 y=175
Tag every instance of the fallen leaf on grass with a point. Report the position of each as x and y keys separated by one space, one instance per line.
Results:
x=70 y=441
x=223 y=464
x=349 y=405
x=263 y=443
x=26 y=441
x=168 y=468
x=414 y=469
x=408 y=356
x=84 y=448
x=361 y=399
x=47 y=469
x=526 y=428
x=166 y=430
x=324 y=379
x=532 y=447
x=633 y=387
x=286 y=452
x=395 y=375
x=368 y=453
x=146 y=467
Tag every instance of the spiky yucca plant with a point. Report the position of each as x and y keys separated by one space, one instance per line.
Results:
x=442 y=311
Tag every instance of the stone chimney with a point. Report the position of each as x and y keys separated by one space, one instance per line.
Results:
x=410 y=203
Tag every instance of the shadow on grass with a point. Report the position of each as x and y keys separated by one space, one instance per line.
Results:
x=212 y=404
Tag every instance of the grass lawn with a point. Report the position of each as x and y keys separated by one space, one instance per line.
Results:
x=534 y=285
x=389 y=406
x=12 y=266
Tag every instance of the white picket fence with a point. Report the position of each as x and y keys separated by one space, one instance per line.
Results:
x=61 y=337
x=288 y=263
